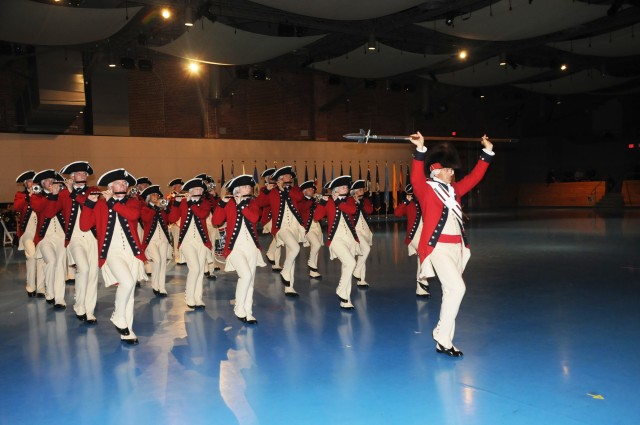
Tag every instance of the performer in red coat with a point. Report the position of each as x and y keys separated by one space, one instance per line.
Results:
x=410 y=208
x=242 y=248
x=155 y=242
x=49 y=237
x=365 y=235
x=342 y=239
x=286 y=222
x=210 y=194
x=313 y=232
x=443 y=242
x=174 y=228
x=26 y=231
x=82 y=247
x=194 y=241
x=273 y=251
x=120 y=255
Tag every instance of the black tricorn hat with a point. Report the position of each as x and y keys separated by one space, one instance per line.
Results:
x=338 y=181
x=268 y=172
x=143 y=180
x=205 y=177
x=47 y=174
x=358 y=184
x=193 y=183
x=443 y=154
x=408 y=189
x=27 y=175
x=175 y=182
x=287 y=169
x=76 y=167
x=154 y=188
x=309 y=184
x=241 y=180
x=114 y=175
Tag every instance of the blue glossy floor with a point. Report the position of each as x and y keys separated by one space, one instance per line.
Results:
x=550 y=328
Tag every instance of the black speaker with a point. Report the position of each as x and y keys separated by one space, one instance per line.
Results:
x=127 y=63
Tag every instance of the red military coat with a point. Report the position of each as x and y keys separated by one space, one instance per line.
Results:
x=364 y=210
x=277 y=203
x=410 y=209
x=308 y=207
x=336 y=211
x=46 y=206
x=435 y=213
x=249 y=213
x=195 y=210
x=152 y=217
x=102 y=215
x=22 y=205
x=72 y=204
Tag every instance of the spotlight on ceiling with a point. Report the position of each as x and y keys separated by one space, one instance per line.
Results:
x=563 y=67
x=165 y=13
x=371 y=44
x=112 y=61
x=188 y=16
x=449 y=21
x=462 y=54
x=194 y=67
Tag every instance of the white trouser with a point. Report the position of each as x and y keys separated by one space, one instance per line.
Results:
x=244 y=260
x=83 y=250
x=174 y=231
x=365 y=247
x=54 y=257
x=35 y=266
x=289 y=238
x=448 y=260
x=157 y=252
x=123 y=267
x=274 y=252
x=195 y=254
x=314 y=239
x=345 y=253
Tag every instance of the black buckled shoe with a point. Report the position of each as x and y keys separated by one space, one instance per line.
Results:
x=59 y=307
x=284 y=281
x=81 y=317
x=51 y=301
x=122 y=331
x=452 y=352
x=31 y=294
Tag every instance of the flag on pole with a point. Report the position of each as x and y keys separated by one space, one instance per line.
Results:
x=324 y=176
x=243 y=171
x=295 y=172
x=255 y=175
x=350 y=172
x=332 y=170
x=368 y=178
x=222 y=179
x=306 y=172
x=232 y=176
x=386 y=187
x=341 y=172
x=377 y=178
x=394 y=187
x=400 y=182
x=360 y=175
x=408 y=177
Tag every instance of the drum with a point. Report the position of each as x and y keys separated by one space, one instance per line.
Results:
x=219 y=243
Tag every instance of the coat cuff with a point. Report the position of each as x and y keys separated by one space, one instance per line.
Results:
x=487 y=156
x=89 y=203
x=420 y=155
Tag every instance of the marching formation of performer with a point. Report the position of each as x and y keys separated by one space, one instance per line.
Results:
x=286 y=222
x=69 y=223
x=313 y=232
x=26 y=232
x=82 y=246
x=115 y=215
x=241 y=248
x=155 y=242
x=365 y=235
x=443 y=243
x=411 y=209
x=342 y=238
x=194 y=241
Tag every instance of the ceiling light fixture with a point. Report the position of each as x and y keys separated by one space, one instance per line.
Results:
x=462 y=54
x=563 y=67
x=188 y=16
x=166 y=13
x=194 y=67
x=371 y=44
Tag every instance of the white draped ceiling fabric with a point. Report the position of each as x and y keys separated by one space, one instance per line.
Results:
x=521 y=19
x=221 y=44
x=525 y=20
x=27 y=22
x=580 y=82
x=488 y=73
x=362 y=63
x=341 y=9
